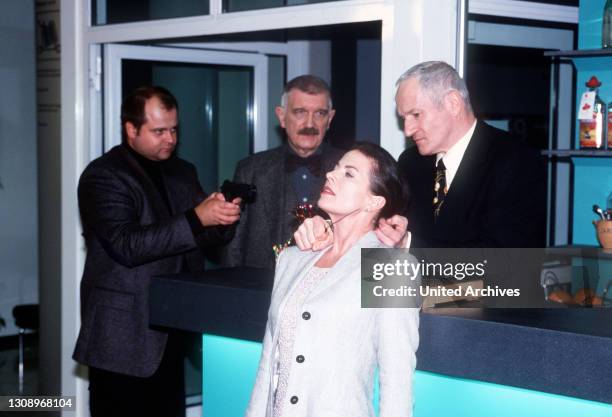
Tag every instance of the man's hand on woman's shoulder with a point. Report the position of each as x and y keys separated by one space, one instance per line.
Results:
x=315 y=234
x=392 y=231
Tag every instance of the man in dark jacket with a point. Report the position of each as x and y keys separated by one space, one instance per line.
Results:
x=472 y=185
x=144 y=214
x=287 y=176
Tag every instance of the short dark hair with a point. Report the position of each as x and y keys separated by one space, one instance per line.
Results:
x=309 y=84
x=132 y=108
x=385 y=179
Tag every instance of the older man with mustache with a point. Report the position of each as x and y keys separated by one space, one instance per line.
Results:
x=287 y=176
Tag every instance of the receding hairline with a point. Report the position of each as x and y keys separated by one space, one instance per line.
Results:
x=308 y=84
x=285 y=96
x=167 y=106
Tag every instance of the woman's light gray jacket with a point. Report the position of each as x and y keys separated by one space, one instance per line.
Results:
x=341 y=344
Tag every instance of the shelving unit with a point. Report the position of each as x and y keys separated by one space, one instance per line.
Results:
x=568 y=153
x=590 y=170
x=583 y=53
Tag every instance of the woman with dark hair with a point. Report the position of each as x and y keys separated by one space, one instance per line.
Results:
x=321 y=349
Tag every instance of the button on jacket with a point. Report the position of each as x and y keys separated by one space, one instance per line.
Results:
x=340 y=344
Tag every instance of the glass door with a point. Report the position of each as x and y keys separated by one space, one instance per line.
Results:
x=221 y=96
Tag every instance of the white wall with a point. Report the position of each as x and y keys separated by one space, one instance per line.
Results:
x=18 y=171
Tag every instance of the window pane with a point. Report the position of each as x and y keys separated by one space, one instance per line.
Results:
x=242 y=5
x=120 y=11
x=215 y=101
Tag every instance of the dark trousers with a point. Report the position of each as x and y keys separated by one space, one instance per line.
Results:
x=161 y=395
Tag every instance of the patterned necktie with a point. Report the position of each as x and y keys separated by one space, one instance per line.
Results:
x=440 y=188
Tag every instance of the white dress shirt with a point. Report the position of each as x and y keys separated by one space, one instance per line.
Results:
x=453 y=157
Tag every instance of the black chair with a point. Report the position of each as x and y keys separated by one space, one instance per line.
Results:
x=26 y=318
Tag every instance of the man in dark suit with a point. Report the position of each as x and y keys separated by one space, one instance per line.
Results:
x=287 y=176
x=144 y=214
x=472 y=185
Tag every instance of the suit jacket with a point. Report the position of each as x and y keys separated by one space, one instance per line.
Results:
x=131 y=236
x=342 y=343
x=496 y=198
x=269 y=220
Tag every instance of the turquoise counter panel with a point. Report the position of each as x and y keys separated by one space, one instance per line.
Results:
x=230 y=366
x=437 y=395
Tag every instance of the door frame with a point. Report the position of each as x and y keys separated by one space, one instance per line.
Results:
x=115 y=53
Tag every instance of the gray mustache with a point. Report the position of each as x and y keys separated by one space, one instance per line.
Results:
x=310 y=131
